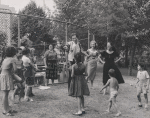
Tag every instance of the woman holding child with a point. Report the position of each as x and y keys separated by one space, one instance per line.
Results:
x=109 y=55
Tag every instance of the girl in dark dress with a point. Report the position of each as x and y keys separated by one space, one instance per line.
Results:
x=78 y=86
x=109 y=55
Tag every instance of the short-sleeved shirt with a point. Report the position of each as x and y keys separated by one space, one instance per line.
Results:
x=26 y=61
x=50 y=55
x=19 y=63
x=142 y=76
x=74 y=48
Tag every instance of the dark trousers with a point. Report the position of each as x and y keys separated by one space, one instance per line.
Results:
x=69 y=79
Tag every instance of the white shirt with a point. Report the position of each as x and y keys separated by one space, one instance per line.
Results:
x=74 y=48
x=142 y=76
x=26 y=61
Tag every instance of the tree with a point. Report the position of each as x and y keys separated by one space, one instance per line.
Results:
x=37 y=28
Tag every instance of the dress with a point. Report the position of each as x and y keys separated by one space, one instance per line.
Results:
x=78 y=85
x=92 y=64
x=6 y=80
x=51 y=61
x=110 y=64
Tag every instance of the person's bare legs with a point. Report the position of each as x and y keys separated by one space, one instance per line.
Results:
x=109 y=106
x=5 y=101
x=82 y=104
x=104 y=91
x=52 y=82
x=118 y=112
x=79 y=105
x=139 y=99
x=21 y=94
x=14 y=93
x=146 y=100
x=92 y=84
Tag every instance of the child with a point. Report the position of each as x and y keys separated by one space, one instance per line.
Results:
x=19 y=88
x=113 y=84
x=28 y=75
x=78 y=86
x=7 y=76
x=142 y=84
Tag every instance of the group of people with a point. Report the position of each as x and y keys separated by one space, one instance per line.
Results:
x=81 y=73
x=21 y=70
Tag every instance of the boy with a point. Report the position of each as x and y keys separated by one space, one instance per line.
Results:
x=28 y=74
x=142 y=84
x=113 y=84
x=19 y=87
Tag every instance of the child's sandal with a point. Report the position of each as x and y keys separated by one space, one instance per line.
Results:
x=12 y=111
x=77 y=114
x=7 y=114
x=139 y=105
x=83 y=112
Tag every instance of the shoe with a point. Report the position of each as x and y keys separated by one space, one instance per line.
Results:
x=8 y=114
x=12 y=111
x=118 y=114
x=31 y=100
x=139 y=105
x=146 y=107
x=31 y=95
x=83 y=112
x=77 y=114
x=26 y=99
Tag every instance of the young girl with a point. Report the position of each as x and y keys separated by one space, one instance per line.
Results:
x=6 y=78
x=19 y=88
x=78 y=86
x=142 y=84
x=28 y=74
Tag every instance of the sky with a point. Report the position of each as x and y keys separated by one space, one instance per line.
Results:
x=20 y=4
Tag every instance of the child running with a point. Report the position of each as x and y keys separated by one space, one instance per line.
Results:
x=6 y=78
x=28 y=75
x=78 y=86
x=142 y=84
x=113 y=84
x=19 y=87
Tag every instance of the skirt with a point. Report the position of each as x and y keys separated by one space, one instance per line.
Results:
x=19 y=72
x=78 y=87
x=6 y=82
x=106 y=68
x=91 y=69
x=28 y=75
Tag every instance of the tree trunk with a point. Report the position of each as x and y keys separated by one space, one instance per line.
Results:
x=126 y=56
x=132 y=56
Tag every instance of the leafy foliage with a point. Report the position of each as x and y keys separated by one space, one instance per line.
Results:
x=37 y=28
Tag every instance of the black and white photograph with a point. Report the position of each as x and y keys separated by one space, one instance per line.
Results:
x=74 y=58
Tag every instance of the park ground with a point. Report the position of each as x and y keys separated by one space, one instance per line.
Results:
x=55 y=102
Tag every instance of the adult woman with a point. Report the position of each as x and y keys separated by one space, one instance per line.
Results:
x=50 y=55
x=61 y=60
x=110 y=54
x=92 y=62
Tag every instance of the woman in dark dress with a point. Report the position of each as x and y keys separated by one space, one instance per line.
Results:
x=110 y=55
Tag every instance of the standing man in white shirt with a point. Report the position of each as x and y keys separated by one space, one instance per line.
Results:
x=73 y=47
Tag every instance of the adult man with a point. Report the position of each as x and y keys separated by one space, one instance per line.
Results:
x=73 y=47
